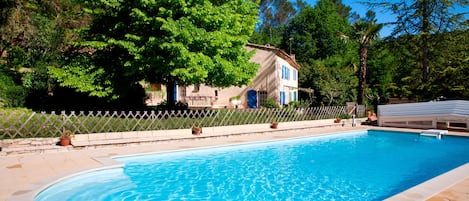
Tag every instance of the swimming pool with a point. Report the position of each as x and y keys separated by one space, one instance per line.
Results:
x=366 y=165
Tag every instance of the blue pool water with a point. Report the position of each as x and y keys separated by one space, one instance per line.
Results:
x=366 y=165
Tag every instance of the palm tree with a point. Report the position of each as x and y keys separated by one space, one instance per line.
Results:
x=365 y=31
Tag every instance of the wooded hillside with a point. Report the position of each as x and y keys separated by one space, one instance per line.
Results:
x=64 y=54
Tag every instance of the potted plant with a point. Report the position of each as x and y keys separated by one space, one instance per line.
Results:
x=337 y=120
x=235 y=100
x=274 y=124
x=66 y=137
x=196 y=130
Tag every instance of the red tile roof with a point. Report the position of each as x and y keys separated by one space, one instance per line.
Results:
x=282 y=54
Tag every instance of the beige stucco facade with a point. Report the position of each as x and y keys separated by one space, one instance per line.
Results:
x=277 y=78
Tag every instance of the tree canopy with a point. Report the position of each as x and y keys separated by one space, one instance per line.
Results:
x=169 y=42
x=422 y=25
x=273 y=17
x=59 y=52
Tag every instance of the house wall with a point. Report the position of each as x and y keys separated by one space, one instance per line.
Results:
x=268 y=78
x=213 y=97
x=288 y=84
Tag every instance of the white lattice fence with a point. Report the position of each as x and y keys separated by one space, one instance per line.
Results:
x=26 y=124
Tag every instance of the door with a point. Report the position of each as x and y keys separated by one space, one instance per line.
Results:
x=252 y=99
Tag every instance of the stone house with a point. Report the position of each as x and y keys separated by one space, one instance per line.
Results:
x=276 y=78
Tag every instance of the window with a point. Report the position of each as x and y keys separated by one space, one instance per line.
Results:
x=295 y=74
x=262 y=97
x=196 y=88
x=285 y=72
x=293 y=95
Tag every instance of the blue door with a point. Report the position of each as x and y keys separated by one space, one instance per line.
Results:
x=252 y=99
x=175 y=97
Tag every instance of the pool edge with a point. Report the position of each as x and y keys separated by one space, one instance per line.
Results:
x=434 y=186
x=30 y=192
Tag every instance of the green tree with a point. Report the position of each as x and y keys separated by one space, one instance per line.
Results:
x=32 y=37
x=381 y=74
x=365 y=31
x=273 y=15
x=333 y=83
x=427 y=20
x=450 y=65
x=325 y=59
x=313 y=32
x=171 y=42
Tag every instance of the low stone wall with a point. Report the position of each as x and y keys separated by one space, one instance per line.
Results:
x=28 y=145
x=28 y=142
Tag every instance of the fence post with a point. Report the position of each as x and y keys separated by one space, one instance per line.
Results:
x=62 y=113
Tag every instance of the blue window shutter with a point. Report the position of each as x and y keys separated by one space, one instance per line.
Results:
x=286 y=73
x=282 y=72
x=282 y=97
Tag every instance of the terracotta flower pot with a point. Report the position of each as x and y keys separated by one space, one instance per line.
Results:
x=337 y=120
x=65 y=141
x=274 y=125
x=196 y=131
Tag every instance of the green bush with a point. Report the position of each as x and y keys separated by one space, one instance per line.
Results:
x=270 y=103
x=296 y=104
x=345 y=116
x=11 y=95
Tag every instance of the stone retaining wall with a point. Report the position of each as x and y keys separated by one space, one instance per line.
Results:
x=28 y=145
x=28 y=142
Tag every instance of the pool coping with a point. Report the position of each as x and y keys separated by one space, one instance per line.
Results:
x=421 y=191
x=31 y=191
x=434 y=186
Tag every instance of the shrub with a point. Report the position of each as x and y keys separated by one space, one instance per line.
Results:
x=11 y=95
x=296 y=104
x=178 y=106
x=270 y=103
x=345 y=116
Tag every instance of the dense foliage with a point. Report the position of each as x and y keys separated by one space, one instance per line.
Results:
x=421 y=60
x=66 y=54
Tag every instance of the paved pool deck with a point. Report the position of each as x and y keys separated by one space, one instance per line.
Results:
x=23 y=175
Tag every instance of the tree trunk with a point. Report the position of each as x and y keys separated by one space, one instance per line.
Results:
x=362 y=74
x=425 y=38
